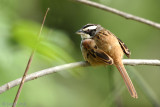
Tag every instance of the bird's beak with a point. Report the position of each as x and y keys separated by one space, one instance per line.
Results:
x=80 y=32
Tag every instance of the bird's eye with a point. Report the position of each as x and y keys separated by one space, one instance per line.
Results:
x=90 y=29
x=92 y=32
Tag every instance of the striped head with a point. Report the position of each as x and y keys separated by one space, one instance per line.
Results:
x=89 y=30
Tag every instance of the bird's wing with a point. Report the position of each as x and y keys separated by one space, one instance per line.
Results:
x=95 y=52
x=124 y=48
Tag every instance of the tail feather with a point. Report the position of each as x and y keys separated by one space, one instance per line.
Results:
x=127 y=79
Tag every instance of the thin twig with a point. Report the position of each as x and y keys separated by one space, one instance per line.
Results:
x=120 y=13
x=134 y=62
x=29 y=63
x=47 y=71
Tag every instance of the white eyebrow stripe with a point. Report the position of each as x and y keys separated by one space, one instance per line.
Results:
x=90 y=28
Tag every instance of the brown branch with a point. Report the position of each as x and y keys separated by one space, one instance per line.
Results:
x=29 y=63
x=47 y=71
x=120 y=13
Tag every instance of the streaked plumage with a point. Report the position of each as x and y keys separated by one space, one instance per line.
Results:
x=100 y=47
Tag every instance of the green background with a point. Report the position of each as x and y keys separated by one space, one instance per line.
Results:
x=20 y=21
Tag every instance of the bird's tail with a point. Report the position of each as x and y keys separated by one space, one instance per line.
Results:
x=126 y=79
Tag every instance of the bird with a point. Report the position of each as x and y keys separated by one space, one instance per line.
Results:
x=101 y=47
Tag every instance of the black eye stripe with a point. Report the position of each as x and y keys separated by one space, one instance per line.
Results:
x=90 y=32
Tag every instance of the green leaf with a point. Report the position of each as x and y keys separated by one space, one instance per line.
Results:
x=26 y=33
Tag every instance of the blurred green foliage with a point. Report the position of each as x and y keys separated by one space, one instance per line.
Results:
x=20 y=22
x=54 y=49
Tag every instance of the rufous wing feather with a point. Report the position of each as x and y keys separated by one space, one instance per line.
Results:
x=96 y=53
x=126 y=79
x=104 y=57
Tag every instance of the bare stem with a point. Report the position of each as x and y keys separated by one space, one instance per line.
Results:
x=120 y=13
x=28 y=64
x=47 y=71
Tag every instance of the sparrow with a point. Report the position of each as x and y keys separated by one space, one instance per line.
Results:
x=101 y=47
